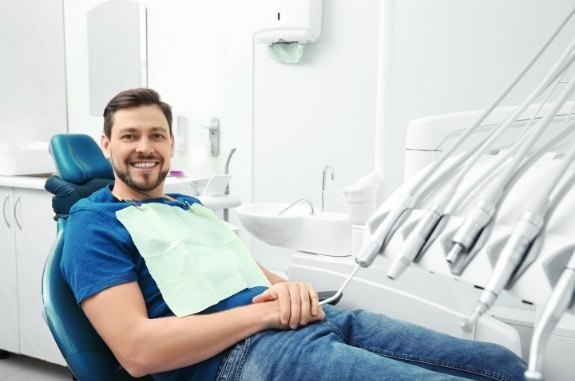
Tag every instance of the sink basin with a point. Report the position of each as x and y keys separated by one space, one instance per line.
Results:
x=321 y=233
x=263 y=221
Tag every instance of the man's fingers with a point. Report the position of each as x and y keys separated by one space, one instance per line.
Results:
x=296 y=307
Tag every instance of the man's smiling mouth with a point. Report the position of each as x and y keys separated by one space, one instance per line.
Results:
x=144 y=164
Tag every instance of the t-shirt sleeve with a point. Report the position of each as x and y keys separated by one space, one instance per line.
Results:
x=96 y=254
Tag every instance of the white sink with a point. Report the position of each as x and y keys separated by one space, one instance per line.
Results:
x=296 y=228
x=263 y=221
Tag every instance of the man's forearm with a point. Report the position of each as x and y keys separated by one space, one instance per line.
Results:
x=171 y=342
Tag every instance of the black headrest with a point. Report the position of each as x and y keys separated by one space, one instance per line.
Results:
x=82 y=169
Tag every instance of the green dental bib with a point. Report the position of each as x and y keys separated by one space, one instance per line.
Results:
x=194 y=257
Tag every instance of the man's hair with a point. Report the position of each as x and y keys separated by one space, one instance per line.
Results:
x=134 y=98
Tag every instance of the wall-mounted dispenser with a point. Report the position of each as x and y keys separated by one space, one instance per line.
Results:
x=286 y=25
x=287 y=20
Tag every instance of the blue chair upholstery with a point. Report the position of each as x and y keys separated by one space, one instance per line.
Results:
x=82 y=169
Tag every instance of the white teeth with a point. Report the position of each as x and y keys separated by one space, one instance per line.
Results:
x=144 y=164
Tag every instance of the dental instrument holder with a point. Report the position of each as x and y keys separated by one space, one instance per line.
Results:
x=214 y=132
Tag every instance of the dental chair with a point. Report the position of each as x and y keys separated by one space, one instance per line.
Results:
x=82 y=169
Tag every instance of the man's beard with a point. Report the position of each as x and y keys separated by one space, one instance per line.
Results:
x=129 y=181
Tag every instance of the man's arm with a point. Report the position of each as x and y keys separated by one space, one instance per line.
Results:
x=145 y=346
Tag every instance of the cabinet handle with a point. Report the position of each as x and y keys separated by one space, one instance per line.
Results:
x=16 y=202
x=4 y=210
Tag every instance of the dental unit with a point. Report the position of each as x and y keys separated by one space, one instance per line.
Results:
x=488 y=210
x=383 y=221
x=426 y=205
x=484 y=209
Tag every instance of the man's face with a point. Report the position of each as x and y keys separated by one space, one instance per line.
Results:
x=140 y=148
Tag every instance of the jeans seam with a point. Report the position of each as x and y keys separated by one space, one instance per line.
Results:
x=480 y=372
x=242 y=360
x=232 y=359
x=334 y=328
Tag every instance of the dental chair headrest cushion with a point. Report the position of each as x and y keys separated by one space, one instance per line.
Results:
x=66 y=194
x=78 y=158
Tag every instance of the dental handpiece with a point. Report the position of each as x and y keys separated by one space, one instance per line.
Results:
x=560 y=299
x=414 y=243
x=376 y=240
x=524 y=232
x=478 y=217
x=466 y=235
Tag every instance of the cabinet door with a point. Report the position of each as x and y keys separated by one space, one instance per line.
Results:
x=8 y=279
x=35 y=235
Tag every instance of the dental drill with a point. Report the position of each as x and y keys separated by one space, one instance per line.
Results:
x=560 y=299
x=427 y=224
x=526 y=229
x=384 y=221
x=484 y=208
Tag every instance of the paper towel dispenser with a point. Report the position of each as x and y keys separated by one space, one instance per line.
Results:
x=287 y=20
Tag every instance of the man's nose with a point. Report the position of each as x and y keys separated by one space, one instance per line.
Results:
x=144 y=146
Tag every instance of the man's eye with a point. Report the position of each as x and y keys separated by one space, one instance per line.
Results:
x=127 y=137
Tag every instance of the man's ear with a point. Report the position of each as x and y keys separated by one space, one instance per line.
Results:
x=105 y=144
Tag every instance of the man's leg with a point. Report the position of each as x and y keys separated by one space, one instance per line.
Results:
x=356 y=345
x=426 y=348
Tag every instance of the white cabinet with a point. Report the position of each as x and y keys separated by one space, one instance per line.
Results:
x=28 y=232
x=9 y=339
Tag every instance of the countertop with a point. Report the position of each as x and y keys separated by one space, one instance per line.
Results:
x=31 y=182
x=173 y=184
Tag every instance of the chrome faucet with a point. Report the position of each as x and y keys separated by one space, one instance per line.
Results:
x=326 y=169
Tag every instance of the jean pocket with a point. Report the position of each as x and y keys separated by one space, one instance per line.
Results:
x=233 y=360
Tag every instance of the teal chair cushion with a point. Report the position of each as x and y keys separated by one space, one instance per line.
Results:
x=82 y=169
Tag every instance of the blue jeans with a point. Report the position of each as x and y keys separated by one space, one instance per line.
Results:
x=359 y=345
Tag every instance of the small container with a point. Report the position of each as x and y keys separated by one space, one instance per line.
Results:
x=361 y=198
x=360 y=208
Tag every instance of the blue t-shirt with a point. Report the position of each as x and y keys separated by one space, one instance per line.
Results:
x=99 y=253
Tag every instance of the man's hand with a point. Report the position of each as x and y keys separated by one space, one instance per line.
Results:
x=298 y=303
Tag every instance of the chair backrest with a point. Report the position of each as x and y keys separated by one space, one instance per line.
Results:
x=82 y=169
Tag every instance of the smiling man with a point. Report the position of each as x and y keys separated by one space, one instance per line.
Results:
x=140 y=148
x=175 y=294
